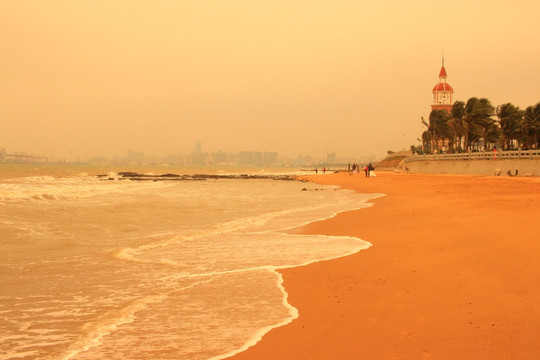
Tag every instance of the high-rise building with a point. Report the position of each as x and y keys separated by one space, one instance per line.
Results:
x=257 y=158
x=197 y=156
x=270 y=158
x=245 y=158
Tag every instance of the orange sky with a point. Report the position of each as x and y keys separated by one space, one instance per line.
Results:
x=96 y=77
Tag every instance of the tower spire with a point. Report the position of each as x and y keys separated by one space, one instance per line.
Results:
x=442 y=73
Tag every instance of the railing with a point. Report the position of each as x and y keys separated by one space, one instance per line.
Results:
x=488 y=155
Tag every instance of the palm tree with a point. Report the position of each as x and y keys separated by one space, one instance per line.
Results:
x=468 y=120
x=531 y=126
x=437 y=127
x=426 y=140
x=492 y=134
x=442 y=128
x=510 y=122
x=485 y=121
x=429 y=134
x=456 y=122
x=478 y=121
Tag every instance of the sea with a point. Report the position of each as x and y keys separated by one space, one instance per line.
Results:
x=99 y=267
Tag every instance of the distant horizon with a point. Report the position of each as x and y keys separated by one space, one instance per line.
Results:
x=84 y=79
x=182 y=158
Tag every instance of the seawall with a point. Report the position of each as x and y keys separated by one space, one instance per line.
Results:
x=474 y=167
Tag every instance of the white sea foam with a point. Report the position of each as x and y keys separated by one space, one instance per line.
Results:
x=99 y=264
x=108 y=323
x=294 y=314
x=49 y=188
x=258 y=335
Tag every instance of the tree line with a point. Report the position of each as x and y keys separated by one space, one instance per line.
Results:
x=479 y=126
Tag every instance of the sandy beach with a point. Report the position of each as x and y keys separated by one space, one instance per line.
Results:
x=453 y=273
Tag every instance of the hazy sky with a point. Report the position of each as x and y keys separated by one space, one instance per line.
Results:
x=98 y=77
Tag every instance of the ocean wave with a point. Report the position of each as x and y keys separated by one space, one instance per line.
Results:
x=48 y=188
x=107 y=323
x=226 y=235
x=258 y=335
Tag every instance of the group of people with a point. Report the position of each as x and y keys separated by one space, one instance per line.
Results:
x=369 y=170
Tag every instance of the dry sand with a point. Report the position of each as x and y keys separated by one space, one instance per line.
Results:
x=453 y=273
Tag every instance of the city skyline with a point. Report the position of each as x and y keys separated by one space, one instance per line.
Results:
x=194 y=158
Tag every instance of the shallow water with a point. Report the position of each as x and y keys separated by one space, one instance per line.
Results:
x=143 y=270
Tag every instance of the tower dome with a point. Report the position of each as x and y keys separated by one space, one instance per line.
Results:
x=443 y=87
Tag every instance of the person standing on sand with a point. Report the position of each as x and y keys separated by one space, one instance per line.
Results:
x=371 y=170
x=366 y=170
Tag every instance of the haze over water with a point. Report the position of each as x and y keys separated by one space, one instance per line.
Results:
x=119 y=269
x=99 y=78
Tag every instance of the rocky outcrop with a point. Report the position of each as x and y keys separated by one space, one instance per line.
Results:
x=133 y=176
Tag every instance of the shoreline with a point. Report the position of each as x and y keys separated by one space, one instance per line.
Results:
x=452 y=273
x=294 y=231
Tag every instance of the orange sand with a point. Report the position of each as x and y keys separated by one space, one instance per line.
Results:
x=453 y=273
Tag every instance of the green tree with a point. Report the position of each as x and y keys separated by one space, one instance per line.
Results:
x=510 y=121
x=478 y=120
x=428 y=135
x=486 y=123
x=492 y=134
x=531 y=126
x=437 y=127
x=442 y=128
x=456 y=123
x=426 y=140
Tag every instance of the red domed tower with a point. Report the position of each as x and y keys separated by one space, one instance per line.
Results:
x=442 y=93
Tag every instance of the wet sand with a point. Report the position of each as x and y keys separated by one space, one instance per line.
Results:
x=453 y=273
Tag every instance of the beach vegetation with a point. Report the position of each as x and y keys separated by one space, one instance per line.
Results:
x=478 y=118
x=477 y=125
x=531 y=126
x=437 y=127
x=510 y=119
x=457 y=124
x=426 y=141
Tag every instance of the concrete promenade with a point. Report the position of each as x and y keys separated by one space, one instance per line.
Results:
x=527 y=163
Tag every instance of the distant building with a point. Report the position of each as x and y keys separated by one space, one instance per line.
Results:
x=331 y=157
x=245 y=158
x=220 y=157
x=257 y=158
x=270 y=158
x=442 y=93
x=198 y=157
